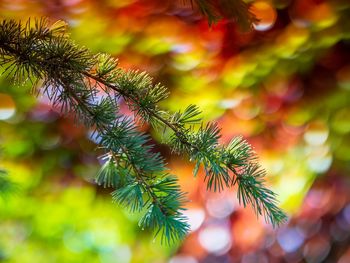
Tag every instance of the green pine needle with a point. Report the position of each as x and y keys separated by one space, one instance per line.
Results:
x=130 y=196
x=72 y=77
x=235 y=10
x=108 y=175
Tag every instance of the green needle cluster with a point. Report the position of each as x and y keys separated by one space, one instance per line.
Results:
x=74 y=78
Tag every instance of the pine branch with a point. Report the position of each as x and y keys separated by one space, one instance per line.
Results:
x=73 y=79
x=235 y=10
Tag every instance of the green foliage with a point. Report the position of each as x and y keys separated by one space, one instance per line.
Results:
x=166 y=184
x=108 y=175
x=251 y=190
x=74 y=79
x=238 y=152
x=189 y=116
x=130 y=196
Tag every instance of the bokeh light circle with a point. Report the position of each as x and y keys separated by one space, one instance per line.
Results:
x=215 y=239
x=317 y=133
x=7 y=107
x=265 y=13
x=195 y=217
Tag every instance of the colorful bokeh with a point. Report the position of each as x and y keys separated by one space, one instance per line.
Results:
x=285 y=86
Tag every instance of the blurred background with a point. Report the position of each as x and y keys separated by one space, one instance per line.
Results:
x=284 y=86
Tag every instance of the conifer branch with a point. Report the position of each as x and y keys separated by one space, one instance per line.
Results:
x=73 y=79
x=235 y=10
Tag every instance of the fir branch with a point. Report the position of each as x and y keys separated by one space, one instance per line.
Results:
x=109 y=175
x=235 y=10
x=251 y=190
x=72 y=77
